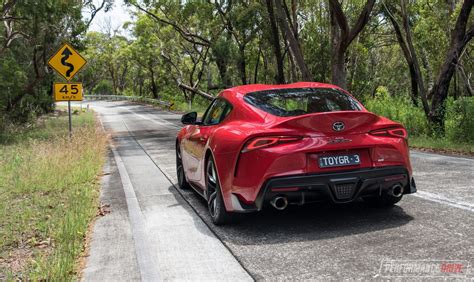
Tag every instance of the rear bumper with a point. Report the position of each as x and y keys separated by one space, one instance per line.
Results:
x=339 y=187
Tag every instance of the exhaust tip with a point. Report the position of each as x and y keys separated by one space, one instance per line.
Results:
x=396 y=190
x=280 y=203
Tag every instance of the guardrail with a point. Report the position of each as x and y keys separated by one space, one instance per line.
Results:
x=130 y=98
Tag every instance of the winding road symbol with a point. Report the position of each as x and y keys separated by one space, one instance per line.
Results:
x=67 y=62
x=66 y=53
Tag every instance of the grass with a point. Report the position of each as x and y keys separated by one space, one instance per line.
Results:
x=442 y=145
x=48 y=196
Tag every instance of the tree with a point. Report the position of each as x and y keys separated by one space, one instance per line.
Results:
x=275 y=41
x=460 y=36
x=342 y=36
x=290 y=36
x=409 y=52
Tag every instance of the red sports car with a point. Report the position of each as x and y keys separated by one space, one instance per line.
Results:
x=291 y=144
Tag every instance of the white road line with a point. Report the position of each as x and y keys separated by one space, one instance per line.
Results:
x=146 y=259
x=443 y=200
x=150 y=119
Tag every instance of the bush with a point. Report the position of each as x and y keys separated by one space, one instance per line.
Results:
x=104 y=87
x=399 y=109
x=459 y=124
x=17 y=105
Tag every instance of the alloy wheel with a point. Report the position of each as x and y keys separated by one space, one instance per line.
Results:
x=212 y=189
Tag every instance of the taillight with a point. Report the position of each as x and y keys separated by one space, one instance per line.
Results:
x=391 y=132
x=268 y=141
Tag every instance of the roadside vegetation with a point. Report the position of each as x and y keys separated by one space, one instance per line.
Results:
x=48 y=195
x=458 y=128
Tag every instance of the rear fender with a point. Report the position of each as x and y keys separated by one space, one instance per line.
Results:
x=224 y=147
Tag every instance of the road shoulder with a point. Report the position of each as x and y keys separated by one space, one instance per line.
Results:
x=111 y=246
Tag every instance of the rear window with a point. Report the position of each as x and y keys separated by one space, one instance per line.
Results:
x=301 y=101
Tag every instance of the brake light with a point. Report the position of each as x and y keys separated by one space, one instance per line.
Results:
x=268 y=141
x=391 y=132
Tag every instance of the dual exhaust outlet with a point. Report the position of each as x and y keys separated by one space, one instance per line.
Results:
x=396 y=191
x=281 y=202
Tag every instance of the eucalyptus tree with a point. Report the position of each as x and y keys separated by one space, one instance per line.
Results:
x=448 y=47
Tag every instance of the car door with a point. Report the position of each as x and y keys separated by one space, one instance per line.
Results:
x=201 y=133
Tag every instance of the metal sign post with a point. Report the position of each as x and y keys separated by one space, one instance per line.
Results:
x=67 y=62
x=70 y=120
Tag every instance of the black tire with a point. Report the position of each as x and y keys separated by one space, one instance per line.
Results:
x=182 y=182
x=215 y=202
x=384 y=201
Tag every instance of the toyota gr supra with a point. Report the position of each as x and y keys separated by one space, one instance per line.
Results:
x=261 y=145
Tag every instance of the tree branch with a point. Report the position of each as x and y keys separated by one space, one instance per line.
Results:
x=182 y=85
x=361 y=21
x=94 y=12
x=190 y=37
x=341 y=20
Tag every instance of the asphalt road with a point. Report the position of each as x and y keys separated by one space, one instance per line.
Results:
x=154 y=231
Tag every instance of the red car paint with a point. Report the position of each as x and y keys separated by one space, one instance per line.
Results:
x=244 y=173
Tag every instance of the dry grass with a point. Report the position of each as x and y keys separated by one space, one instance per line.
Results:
x=48 y=196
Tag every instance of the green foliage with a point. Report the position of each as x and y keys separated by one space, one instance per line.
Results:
x=399 y=109
x=104 y=87
x=459 y=124
x=30 y=32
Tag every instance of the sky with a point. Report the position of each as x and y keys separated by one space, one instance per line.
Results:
x=117 y=16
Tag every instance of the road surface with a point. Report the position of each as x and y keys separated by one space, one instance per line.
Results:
x=154 y=231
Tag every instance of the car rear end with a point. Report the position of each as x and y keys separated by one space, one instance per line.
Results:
x=319 y=144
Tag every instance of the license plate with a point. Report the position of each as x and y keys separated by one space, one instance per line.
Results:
x=340 y=160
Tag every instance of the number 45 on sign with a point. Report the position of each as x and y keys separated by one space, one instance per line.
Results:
x=68 y=91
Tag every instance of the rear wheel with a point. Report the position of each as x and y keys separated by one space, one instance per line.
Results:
x=182 y=183
x=215 y=201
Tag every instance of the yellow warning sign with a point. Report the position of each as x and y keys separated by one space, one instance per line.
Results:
x=67 y=62
x=67 y=92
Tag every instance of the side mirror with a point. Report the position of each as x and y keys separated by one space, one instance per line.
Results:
x=189 y=118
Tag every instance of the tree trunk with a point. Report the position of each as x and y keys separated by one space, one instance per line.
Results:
x=408 y=56
x=257 y=64
x=414 y=84
x=459 y=40
x=242 y=64
x=295 y=49
x=342 y=36
x=338 y=68
x=154 y=87
x=409 y=52
x=275 y=40
x=466 y=80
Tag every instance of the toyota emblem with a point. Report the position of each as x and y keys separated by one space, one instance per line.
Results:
x=338 y=126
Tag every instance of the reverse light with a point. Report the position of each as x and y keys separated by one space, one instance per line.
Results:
x=399 y=132
x=268 y=141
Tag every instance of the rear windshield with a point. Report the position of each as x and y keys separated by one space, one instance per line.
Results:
x=300 y=101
